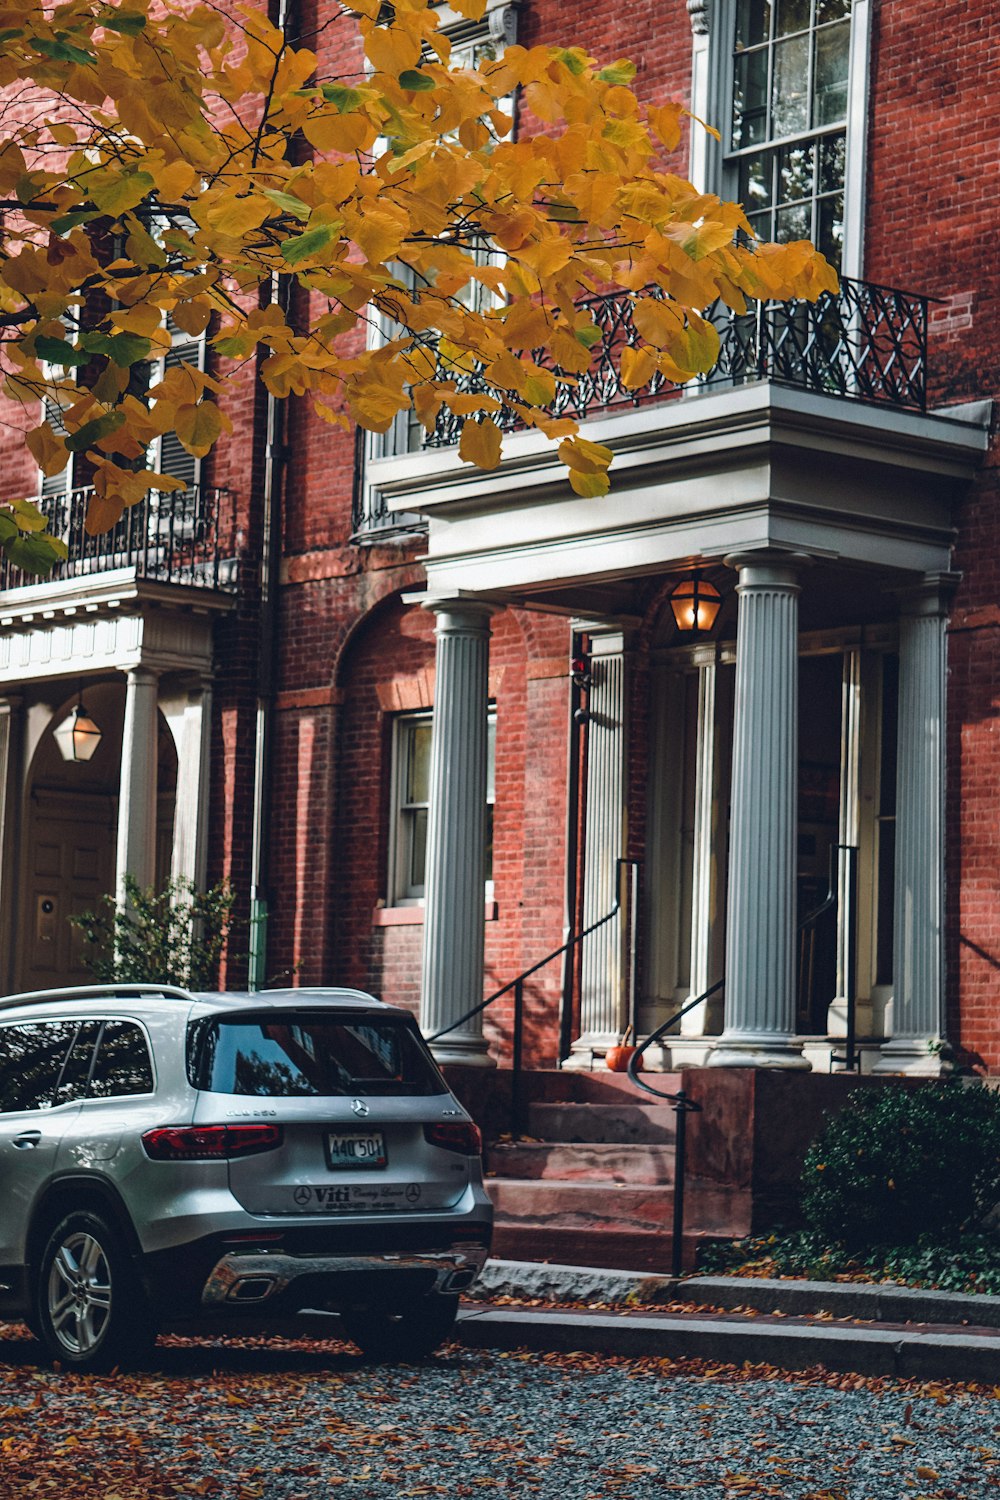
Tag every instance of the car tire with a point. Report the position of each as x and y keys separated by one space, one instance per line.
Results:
x=90 y=1310
x=411 y=1334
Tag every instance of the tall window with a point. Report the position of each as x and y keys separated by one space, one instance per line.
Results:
x=411 y=792
x=788 y=133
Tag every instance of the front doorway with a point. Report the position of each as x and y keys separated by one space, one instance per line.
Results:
x=70 y=838
x=846 y=797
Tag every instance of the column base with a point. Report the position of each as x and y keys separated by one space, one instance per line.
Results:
x=588 y=1051
x=748 y=1049
x=913 y=1057
x=464 y=1052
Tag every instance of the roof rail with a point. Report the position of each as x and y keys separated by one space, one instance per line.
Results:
x=95 y=991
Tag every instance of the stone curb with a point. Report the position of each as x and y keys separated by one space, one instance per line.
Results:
x=879 y=1303
x=906 y=1353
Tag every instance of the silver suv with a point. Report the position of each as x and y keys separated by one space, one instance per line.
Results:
x=167 y=1157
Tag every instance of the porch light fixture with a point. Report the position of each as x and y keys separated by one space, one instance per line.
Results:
x=695 y=603
x=78 y=736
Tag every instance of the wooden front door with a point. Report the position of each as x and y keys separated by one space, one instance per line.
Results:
x=70 y=866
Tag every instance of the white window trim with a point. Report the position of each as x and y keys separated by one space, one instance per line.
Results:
x=712 y=25
x=399 y=893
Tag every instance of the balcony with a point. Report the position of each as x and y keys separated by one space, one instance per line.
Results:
x=186 y=538
x=866 y=344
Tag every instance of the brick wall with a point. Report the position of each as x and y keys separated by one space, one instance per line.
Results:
x=934 y=159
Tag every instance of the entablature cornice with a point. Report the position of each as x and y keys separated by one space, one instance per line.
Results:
x=81 y=627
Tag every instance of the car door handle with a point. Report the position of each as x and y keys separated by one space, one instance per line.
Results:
x=27 y=1140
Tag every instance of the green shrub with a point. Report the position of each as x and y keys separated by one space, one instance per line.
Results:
x=170 y=935
x=899 y=1162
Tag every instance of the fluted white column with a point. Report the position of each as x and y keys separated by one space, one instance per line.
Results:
x=455 y=875
x=603 y=1001
x=849 y=831
x=760 y=946
x=191 y=721
x=705 y=914
x=918 y=927
x=137 y=797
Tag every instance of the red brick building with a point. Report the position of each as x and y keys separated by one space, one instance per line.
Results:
x=267 y=715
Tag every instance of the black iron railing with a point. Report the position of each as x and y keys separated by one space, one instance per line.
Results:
x=187 y=537
x=517 y=985
x=864 y=342
x=681 y=1101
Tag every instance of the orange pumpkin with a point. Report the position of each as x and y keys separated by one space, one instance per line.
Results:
x=617 y=1058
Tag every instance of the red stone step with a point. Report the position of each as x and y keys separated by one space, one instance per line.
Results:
x=626 y=1251
x=623 y=1123
x=563 y=1085
x=540 y=1160
x=611 y=1208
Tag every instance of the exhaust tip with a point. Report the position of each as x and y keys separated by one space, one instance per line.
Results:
x=459 y=1280
x=252 y=1289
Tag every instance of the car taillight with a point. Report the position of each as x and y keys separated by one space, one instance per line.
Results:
x=209 y=1142
x=462 y=1136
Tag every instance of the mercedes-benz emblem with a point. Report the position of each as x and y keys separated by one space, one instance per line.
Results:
x=360 y=1107
x=303 y=1195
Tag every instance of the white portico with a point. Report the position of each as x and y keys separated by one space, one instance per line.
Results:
x=827 y=523
x=138 y=654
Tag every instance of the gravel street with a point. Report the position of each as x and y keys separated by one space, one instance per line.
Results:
x=244 y=1420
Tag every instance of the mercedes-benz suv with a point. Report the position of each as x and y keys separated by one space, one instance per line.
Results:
x=177 y=1158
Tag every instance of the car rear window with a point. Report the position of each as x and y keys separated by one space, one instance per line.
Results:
x=301 y=1055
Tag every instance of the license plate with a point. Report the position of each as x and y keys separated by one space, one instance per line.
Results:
x=355 y=1148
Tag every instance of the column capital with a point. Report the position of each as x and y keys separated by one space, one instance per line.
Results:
x=471 y=605
x=140 y=672
x=929 y=595
x=768 y=567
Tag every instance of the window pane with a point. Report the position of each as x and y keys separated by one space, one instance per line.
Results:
x=31 y=1059
x=830 y=228
x=791 y=15
x=830 y=88
x=755 y=181
x=796 y=167
x=73 y=1083
x=794 y=223
x=312 y=1055
x=790 y=88
x=489 y=842
x=491 y=759
x=750 y=99
x=831 y=163
x=419 y=761
x=832 y=10
x=418 y=848
x=753 y=21
x=122 y=1065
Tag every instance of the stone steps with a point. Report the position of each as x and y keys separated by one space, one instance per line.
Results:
x=624 y=1124
x=593 y=1180
x=574 y=1161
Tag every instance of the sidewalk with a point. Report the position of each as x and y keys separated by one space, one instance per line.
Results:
x=866 y=1329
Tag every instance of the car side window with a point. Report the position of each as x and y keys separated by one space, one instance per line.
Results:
x=76 y=1069
x=123 y=1063
x=31 y=1063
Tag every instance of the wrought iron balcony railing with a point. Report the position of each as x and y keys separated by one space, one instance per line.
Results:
x=187 y=537
x=864 y=343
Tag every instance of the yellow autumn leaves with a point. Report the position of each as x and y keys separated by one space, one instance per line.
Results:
x=441 y=263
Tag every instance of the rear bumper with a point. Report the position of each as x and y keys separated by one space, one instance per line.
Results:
x=254 y=1280
x=330 y=1266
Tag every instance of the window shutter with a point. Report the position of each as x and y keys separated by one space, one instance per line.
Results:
x=168 y=456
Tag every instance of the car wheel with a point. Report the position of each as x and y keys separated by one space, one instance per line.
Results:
x=410 y=1334
x=90 y=1309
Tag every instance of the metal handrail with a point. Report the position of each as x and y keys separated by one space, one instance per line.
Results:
x=679 y=1100
x=517 y=985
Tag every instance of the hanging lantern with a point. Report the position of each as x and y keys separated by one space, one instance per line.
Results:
x=78 y=736
x=695 y=603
